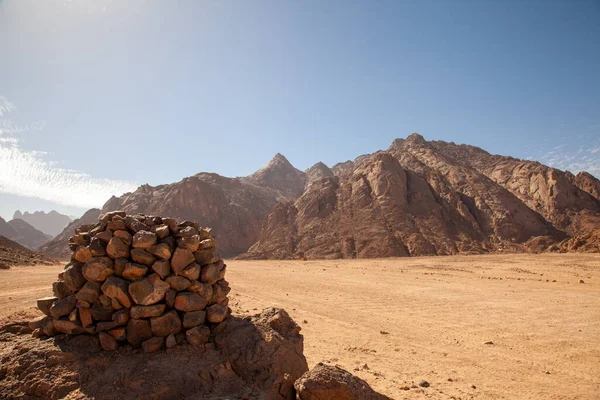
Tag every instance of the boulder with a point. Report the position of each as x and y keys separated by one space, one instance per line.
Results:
x=162 y=268
x=190 y=243
x=198 y=336
x=117 y=288
x=138 y=331
x=162 y=231
x=45 y=303
x=189 y=301
x=191 y=272
x=107 y=341
x=203 y=289
x=82 y=254
x=148 y=291
x=85 y=317
x=89 y=292
x=63 y=307
x=143 y=240
x=161 y=250
x=66 y=326
x=116 y=248
x=216 y=313
x=121 y=317
x=167 y=324
x=73 y=276
x=207 y=244
x=153 y=344
x=207 y=256
x=181 y=259
x=134 y=272
x=119 y=267
x=98 y=269
x=124 y=236
x=186 y=231
x=155 y=310
x=141 y=256
x=332 y=382
x=118 y=333
x=97 y=247
x=178 y=283
x=211 y=273
x=194 y=318
x=60 y=289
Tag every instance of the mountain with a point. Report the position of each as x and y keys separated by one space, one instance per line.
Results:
x=51 y=223
x=6 y=230
x=27 y=235
x=13 y=254
x=417 y=197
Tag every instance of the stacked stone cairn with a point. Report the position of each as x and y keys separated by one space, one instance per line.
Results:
x=149 y=281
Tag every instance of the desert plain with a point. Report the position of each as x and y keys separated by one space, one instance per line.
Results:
x=474 y=327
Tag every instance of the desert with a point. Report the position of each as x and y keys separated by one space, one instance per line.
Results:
x=486 y=327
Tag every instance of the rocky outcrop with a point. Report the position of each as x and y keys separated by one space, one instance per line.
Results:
x=281 y=176
x=51 y=223
x=27 y=235
x=257 y=357
x=586 y=182
x=332 y=382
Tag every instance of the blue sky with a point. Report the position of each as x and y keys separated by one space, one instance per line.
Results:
x=97 y=97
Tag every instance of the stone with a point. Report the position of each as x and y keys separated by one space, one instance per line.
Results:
x=138 y=331
x=162 y=268
x=171 y=242
x=63 y=307
x=332 y=382
x=85 y=317
x=105 y=300
x=98 y=269
x=189 y=301
x=170 y=341
x=211 y=272
x=144 y=239
x=178 y=283
x=97 y=247
x=194 y=318
x=82 y=304
x=109 y=216
x=424 y=384
x=136 y=226
x=101 y=313
x=105 y=236
x=82 y=254
x=191 y=272
x=148 y=291
x=204 y=233
x=162 y=231
x=119 y=267
x=121 y=317
x=172 y=224
x=207 y=244
x=181 y=259
x=124 y=236
x=170 y=298
x=160 y=250
x=38 y=322
x=203 y=289
x=118 y=333
x=155 y=310
x=117 y=288
x=207 y=256
x=153 y=344
x=89 y=292
x=141 y=256
x=66 y=326
x=79 y=239
x=186 y=232
x=74 y=316
x=167 y=324
x=61 y=290
x=116 y=248
x=114 y=303
x=106 y=326
x=216 y=313
x=198 y=336
x=73 y=277
x=134 y=272
x=219 y=294
x=117 y=225
x=107 y=342
x=190 y=243
x=187 y=223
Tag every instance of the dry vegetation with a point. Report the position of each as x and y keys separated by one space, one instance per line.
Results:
x=395 y=322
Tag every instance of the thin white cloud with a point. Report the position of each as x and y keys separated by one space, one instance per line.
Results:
x=27 y=173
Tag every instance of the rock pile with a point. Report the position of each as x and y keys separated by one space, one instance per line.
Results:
x=146 y=280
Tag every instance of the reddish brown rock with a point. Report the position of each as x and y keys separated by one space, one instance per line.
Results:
x=105 y=236
x=121 y=317
x=194 y=318
x=134 y=272
x=190 y=243
x=63 y=307
x=73 y=277
x=124 y=236
x=116 y=248
x=161 y=250
x=181 y=259
x=141 y=256
x=198 y=336
x=162 y=268
x=102 y=313
x=203 y=289
x=45 y=303
x=219 y=293
x=167 y=324
x=97 y=247
x=89 y=292
x=211 y=273
x=105 y=326
x=117 y=225
x=153 y=344
x=82 y=254
x=119 y=267
x=189 y=301
x=148 y=291
x=207 y=256
x=98 y=269
x=85 y=316
x=143 y=240
x=178 y=283
x=191 y=272
x=207 y=244
x=66 y=326
x=216 y=313
x=61 y=290
x=155 y=310
x=119 y=334
x=138 y=331
x=186 y=231
x=170 y=341
x=170 y=298
x=117 y=288
x=162 y=231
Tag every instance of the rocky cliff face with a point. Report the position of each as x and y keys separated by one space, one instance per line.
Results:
x=417 y=197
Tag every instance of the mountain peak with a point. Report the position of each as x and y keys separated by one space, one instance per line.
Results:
x=415 y=138
x=280 y=175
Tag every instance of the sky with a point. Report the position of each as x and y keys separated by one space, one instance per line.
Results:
x=98 y=97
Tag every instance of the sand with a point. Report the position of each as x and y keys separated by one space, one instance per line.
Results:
x=395 y=322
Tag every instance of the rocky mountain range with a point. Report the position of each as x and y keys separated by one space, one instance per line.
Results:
x=416 y=198
x=24 y=234
x=51 y=223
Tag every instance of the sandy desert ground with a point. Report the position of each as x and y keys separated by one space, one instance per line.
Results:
x=395 y=322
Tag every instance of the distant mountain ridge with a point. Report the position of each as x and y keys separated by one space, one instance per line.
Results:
x=417 y=197
x=51 y=223
x=22 y=233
